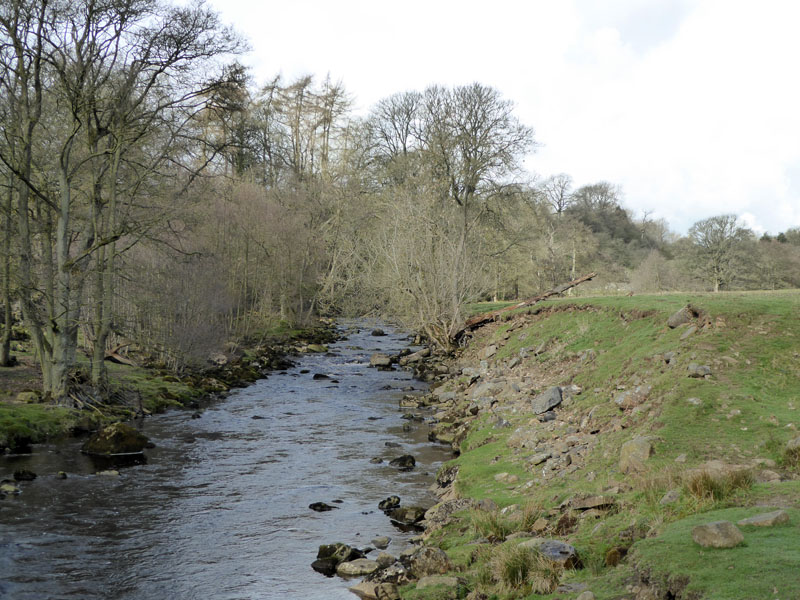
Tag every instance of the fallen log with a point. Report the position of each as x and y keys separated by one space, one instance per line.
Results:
x=481 y=319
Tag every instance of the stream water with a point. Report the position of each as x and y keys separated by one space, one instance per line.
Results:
x=220 y=510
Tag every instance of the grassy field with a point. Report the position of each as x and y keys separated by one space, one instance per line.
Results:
x=741 y=415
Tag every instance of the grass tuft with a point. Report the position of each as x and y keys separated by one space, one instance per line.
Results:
x=518 y=568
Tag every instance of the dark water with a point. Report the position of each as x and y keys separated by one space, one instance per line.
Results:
x=221 y=509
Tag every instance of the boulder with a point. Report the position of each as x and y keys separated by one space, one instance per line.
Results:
x=9 y=487
x=487 y=352
x=317 y=348
x=321 y=507
x=118 y=438
x=387 y=591
x=384 y=559
x=698 y=371
x=670 y=497
x=546 y=400
x=364 y=590
x=407 y=515
x=770 y=519
x=377 y=332
x=404 y=463
x=793 y=445
x=560 y=552
x=380 y=359
x=679 y=318
x=429 y=561
x=599 y=502
x=389 y=503
x=357 y=568
x=718 y=534
x=24 y=475
x=634 y=454
x=338 y=552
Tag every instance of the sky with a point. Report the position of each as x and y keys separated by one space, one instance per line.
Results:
x=692 y=107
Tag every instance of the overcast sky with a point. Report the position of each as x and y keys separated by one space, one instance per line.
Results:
x=691 y=106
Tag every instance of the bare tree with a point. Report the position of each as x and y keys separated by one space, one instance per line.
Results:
x=719 y=246
x=557 y=190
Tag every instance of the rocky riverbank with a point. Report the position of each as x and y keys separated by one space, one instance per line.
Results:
x=586 y=469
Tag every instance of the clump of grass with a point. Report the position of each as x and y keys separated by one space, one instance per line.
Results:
x=491 y=524
x=654 y=485
x=791 y=458
x=519 y=568
x=707 y=487
x=531 y=513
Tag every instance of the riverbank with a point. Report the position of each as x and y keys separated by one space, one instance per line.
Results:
x=138 y=390
x=598 y=438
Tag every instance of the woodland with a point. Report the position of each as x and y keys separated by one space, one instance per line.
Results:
x=153 y=194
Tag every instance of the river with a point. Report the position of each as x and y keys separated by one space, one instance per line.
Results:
x=220 y=510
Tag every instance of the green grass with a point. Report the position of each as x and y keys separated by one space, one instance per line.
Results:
x=20 y=422
x=764 y=566
x=748 y=410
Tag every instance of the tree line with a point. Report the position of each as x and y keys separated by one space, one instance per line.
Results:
x=154 y=196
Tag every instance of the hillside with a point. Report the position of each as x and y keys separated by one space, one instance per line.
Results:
x=652 y=430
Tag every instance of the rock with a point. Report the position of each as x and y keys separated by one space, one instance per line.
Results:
x=793 y=444
x=718 y=534
x=547 y=416
x=429 y=561
x=384 y=559
x=677 y=319
x=365 y=590
x=357 y=568
x=407 y=515
x=670 y=357
x=377 y=332
x=325 y=566
x=379 y=359
x=320 y=376
x=108 y=473
x=24 y=475
x=634 y=397
x=9 y=487
x=376 y=460
x=441 y=514
x=556 y=550
x=389 y=503
x=778 y=517
x=546 y=400
x=321 y=507
x=437 y=580
x=62 y=475
x=338 y=552
x=404 y=463
x=538 y=459
x=698 y=371
x=634 y=453
x=694 y=401
x=601 y=502
x=28 y=397
x=514 y=362
x=670 y=497
x=387 y=591
x=317 y=348
x=118 y=438
x=689 y=332
x=587 y=595
x=487 y=352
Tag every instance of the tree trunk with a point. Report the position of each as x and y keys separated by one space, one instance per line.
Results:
x=5 y=342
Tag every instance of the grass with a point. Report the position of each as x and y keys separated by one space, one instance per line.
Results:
x=746 y=411
x=770 y=552
x=29 y=422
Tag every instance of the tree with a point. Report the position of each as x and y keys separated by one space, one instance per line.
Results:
x=120 y=75
x=719 y=249
x=557 y=191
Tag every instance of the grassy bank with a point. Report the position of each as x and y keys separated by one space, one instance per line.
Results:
x=715 y=447
x=26 y=419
